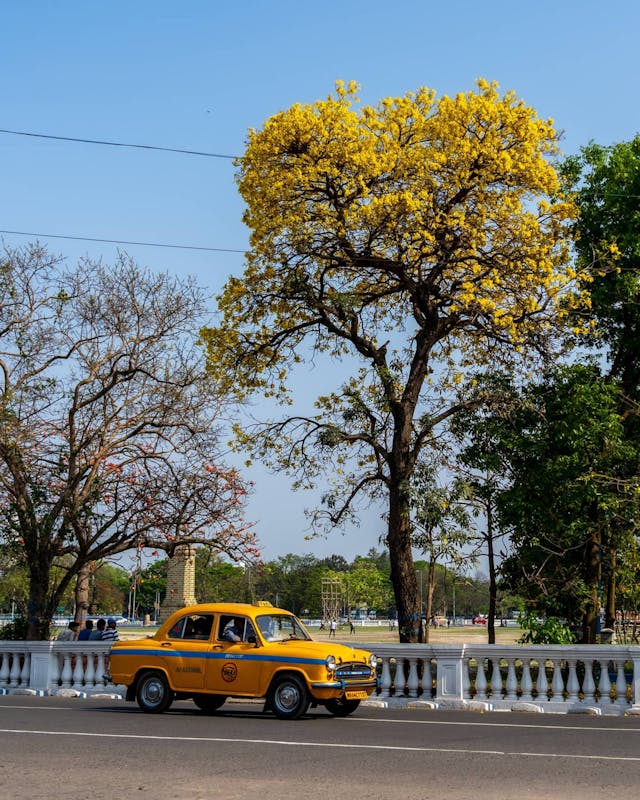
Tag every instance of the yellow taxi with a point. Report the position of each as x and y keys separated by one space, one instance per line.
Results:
x=214 y=651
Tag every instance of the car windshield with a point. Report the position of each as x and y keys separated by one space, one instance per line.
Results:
x=281 y=627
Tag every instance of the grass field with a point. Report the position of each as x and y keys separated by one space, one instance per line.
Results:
x=455 y=635
x=466 y=634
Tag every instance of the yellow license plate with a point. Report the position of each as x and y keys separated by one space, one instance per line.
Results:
x=359 y=695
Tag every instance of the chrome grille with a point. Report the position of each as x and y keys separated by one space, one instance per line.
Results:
x=354 y=671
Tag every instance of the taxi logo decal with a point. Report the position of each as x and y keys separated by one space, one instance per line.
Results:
x=229 y=672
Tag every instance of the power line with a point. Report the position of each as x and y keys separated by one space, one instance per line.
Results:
x=117 y=144
x=122 y=241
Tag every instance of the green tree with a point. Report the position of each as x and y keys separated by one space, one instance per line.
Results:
x=606 y=183
x=407 y=242
x=368 y=586
x=218 y=580
x=440 y=526
x=567 y=521
x=484 y=437
x=606 y=186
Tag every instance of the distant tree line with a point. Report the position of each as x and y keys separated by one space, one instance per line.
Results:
x=292 y=581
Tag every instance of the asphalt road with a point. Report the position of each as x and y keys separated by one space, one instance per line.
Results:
x=72 y=748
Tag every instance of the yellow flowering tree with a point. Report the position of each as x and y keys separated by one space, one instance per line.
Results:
x=408 y=240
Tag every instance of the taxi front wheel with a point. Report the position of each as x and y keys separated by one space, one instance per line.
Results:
x=288 y=697
x=153 y=694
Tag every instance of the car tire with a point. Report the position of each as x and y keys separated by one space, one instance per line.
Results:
x=288 y=697
x=208 y=703
x=153 y=693
x=341 y=707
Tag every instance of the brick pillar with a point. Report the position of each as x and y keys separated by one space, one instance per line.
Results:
x=181 y=581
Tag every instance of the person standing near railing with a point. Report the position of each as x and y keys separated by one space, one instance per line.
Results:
x=85 y=633
x=110 y=633
x=69 y=633
x=96 y=635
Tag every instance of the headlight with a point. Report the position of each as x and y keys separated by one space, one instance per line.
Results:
x=330 y=661
x=373 y=661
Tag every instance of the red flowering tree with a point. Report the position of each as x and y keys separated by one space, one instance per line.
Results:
x=108 y=435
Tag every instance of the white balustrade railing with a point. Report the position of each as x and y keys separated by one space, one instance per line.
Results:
x=601 y=679
x=51 y=666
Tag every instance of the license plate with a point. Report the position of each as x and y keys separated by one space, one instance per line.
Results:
x=359 y=695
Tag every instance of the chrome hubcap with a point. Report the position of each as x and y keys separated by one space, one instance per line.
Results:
x=287 y=696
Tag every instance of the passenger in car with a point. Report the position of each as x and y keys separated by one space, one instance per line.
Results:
x=202 y=627
x=234 y=631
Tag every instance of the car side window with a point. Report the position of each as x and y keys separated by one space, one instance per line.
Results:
x=225 y=622
x=202 y=626
x=230 y=627
x=175 y=632
x=194 y=626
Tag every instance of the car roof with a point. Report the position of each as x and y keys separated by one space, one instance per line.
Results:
x=246 y=609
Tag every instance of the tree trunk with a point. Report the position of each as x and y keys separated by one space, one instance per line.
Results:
x=431 y=585
x=610 y=608
x=403 y=574
x=592 y=558
x=82 y=592
x=493 y=592
x=39 y=608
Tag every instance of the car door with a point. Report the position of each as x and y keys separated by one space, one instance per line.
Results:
x=233 y=667
x=186 y=648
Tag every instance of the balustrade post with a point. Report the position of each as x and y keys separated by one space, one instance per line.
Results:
x=542 y=684
x=526 y=684
x=385 y=677
x=466 y=678
x=604 y=685
x=89 y=670
x=496 y=680
x=588 y=685
x=427 y=679
x=24 y=672
x=573 y=684
x=512 y=680
x=4 y=668
x=635 y=682
x=412 y=680
x=78 y=671
x=557 y=682
x=14 y=675
x=100 y=670
x=621 y=684
x=481 y=680
x=67 y=672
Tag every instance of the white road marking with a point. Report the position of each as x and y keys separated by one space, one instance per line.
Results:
x=334 y=745
x=490 y=724
x=37 y=708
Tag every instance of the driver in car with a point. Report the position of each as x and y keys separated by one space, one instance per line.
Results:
x=234 y=631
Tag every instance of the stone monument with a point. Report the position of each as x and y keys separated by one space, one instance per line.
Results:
x=181 y=581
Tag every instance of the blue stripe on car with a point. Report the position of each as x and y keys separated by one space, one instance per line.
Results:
x=189 y=654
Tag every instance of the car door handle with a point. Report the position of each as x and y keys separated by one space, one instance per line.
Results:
x=217 y=647
x=166 y=644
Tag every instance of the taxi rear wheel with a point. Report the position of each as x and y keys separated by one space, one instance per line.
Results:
x=209 y=702
x=342 y=707
x=288 y=697
x=154 y=694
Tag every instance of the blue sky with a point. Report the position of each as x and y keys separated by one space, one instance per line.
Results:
x=196 y=75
